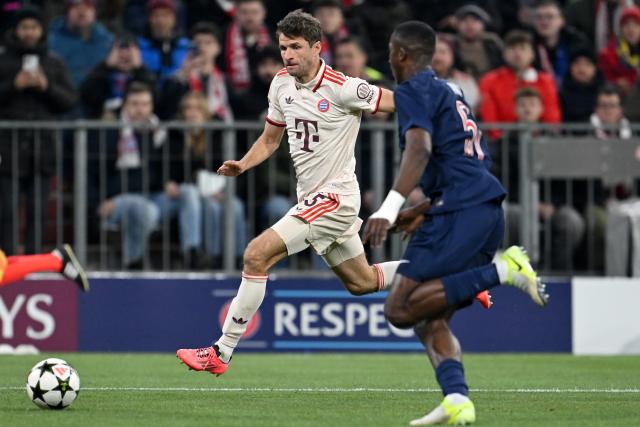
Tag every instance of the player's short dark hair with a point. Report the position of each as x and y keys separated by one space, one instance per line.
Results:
x=137 y=87
x=352 y=40
x=527 y=92
x=518 y=37
x=417 y=38
x=300 y=24
x=203 y=27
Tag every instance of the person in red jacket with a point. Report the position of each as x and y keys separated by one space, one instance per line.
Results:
x=499 y=86
x=620 y=60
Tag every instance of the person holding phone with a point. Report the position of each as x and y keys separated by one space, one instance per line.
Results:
x=198 y=74
x=34 y=85
x=103 y=90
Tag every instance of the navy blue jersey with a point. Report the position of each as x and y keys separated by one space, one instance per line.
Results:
x=457 y=175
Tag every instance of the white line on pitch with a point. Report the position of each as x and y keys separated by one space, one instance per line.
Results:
x=354 y=390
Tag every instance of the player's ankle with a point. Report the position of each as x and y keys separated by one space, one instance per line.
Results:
x=503 y=270
x=457 y=398
x=224 y=351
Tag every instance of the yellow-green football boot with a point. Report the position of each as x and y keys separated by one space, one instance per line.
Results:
x=521 y=275
x=450 y=413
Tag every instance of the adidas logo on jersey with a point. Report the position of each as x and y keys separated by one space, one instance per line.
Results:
x=288 y=100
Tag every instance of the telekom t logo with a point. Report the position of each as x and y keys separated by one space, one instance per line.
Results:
x=307 y=131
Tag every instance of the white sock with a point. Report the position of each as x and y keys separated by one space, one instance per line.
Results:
x=386 y=272
x=501 y=266
x=456 y=398
x=243 y=307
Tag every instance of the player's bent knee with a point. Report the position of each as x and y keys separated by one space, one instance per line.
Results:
x=357 y=289
x=254 y=258
x=397 y=316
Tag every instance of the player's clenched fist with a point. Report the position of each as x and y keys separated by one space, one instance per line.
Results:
x=231 y=168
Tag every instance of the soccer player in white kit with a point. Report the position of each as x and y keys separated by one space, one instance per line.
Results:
x=321 y=111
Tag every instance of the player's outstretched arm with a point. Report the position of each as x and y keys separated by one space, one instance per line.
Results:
x=414 y=161
x=261 y=150
x=387 y=104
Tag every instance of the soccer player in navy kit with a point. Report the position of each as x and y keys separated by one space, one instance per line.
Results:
x=450 y=253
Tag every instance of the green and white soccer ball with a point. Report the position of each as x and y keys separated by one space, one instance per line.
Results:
x=53 y=384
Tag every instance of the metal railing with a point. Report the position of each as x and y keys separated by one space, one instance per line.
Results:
x=81 y=153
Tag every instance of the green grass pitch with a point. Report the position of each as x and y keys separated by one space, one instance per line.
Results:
x=328 y=390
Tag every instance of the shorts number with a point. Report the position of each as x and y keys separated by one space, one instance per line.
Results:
x=470 y=125
x=314 y=200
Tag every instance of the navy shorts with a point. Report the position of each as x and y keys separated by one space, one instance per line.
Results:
x=454 y=241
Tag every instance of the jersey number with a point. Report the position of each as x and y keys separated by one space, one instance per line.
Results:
x=308 y=133
x=473 y=142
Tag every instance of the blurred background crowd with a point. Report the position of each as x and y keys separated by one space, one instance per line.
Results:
x=150 y=61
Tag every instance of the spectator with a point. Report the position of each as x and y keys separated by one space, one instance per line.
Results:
x=555 y=41
x=163 y=50
x=334 y=27
x=378 y=19
x=580 y=88
x=216 y=12
x=498 y=87
x=253 y=104
x=441 y=14
x=620 y=60
x=104 y=88
x=351 y=59
x=79 y=39
x=443 y=64
x=246 y=35
x=190 y=166
x=598 y=19
x=479 y=50
x=609 y=122
x=608 y=119
x=34 y=85
x=134 y=15
x=567 y=225
x=198 y=74
x=132 y=173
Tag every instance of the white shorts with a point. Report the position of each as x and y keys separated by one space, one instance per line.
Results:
x=327 y=222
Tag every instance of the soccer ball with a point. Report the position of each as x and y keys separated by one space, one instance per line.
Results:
x=53 y=384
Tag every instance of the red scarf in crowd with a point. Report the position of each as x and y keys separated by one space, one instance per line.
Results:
x=215 y=93
x=326 y=52
x=237 y=60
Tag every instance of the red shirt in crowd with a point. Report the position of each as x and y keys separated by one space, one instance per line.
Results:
x=498 y=89
x=616 y=63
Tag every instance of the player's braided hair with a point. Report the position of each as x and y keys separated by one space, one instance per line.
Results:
x=300 y=24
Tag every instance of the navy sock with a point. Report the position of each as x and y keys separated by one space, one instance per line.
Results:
x=450 y=376
x=460 y=287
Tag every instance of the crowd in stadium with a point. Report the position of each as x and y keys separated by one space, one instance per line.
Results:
x=150 y=61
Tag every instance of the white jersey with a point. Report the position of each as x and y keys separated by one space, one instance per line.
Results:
x=322 y=119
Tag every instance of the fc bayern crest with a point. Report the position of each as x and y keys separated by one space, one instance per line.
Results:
x=323 y=105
